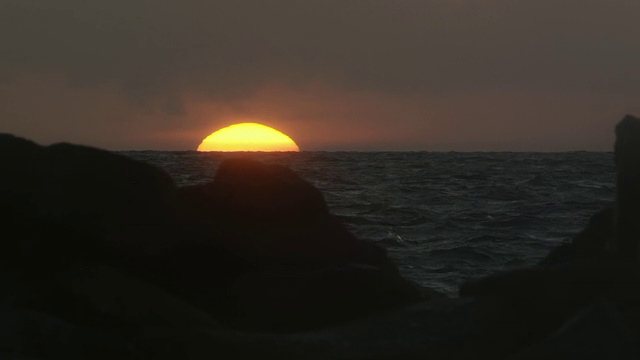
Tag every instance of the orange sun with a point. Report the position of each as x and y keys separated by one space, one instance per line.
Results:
x=248 y=137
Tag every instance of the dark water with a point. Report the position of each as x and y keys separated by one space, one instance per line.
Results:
x=444 y=217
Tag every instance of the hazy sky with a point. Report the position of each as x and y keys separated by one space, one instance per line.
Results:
x=333 y=74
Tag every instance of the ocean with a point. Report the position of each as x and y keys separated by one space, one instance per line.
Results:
x=444 y=217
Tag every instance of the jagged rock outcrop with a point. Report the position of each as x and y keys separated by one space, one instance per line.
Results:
x=101 y=196
x=557 y=299
x=257 y=248
x=627 y=158
x=596 y=332
x=268 y=213
x=304 y=266
x=591 y=245
x=103 y=257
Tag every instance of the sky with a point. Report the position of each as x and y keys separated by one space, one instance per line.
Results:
x=435 y=75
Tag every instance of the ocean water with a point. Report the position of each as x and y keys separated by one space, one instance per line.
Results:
x=444 y=217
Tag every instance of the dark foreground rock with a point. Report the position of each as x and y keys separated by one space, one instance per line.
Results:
x=267 y=213
x=302 y=266
x=104 y=257
x=627 y=158
x=596 y=332
x=587 y=291
x=591 y=245
x=255 y=249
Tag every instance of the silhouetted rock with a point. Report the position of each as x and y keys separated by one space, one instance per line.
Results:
x=130 y=203
x=18 y=179
x=104 y=257
x=101 y=196
x=295 y=299
x=597 y=332
x=268 y=213
x=561 y=302
x=591 y=245
x=17 y=156
x=627 y=158
x=129 y=301
x=73 y=209
x=302 y=269
x=546 y=298
x=614 y=232
x=26 y=334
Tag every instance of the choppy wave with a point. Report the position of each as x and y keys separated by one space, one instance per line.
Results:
x=444 y=217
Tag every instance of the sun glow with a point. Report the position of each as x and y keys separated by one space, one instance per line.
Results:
x=248 y=137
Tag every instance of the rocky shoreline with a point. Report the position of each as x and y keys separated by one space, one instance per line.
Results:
x=105 y=257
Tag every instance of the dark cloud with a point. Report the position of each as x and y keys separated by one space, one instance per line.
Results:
x=161 y=54
x=225 y=48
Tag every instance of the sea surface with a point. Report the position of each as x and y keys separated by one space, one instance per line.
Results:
x=444 y=217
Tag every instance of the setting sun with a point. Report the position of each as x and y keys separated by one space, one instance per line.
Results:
x=248 y=137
